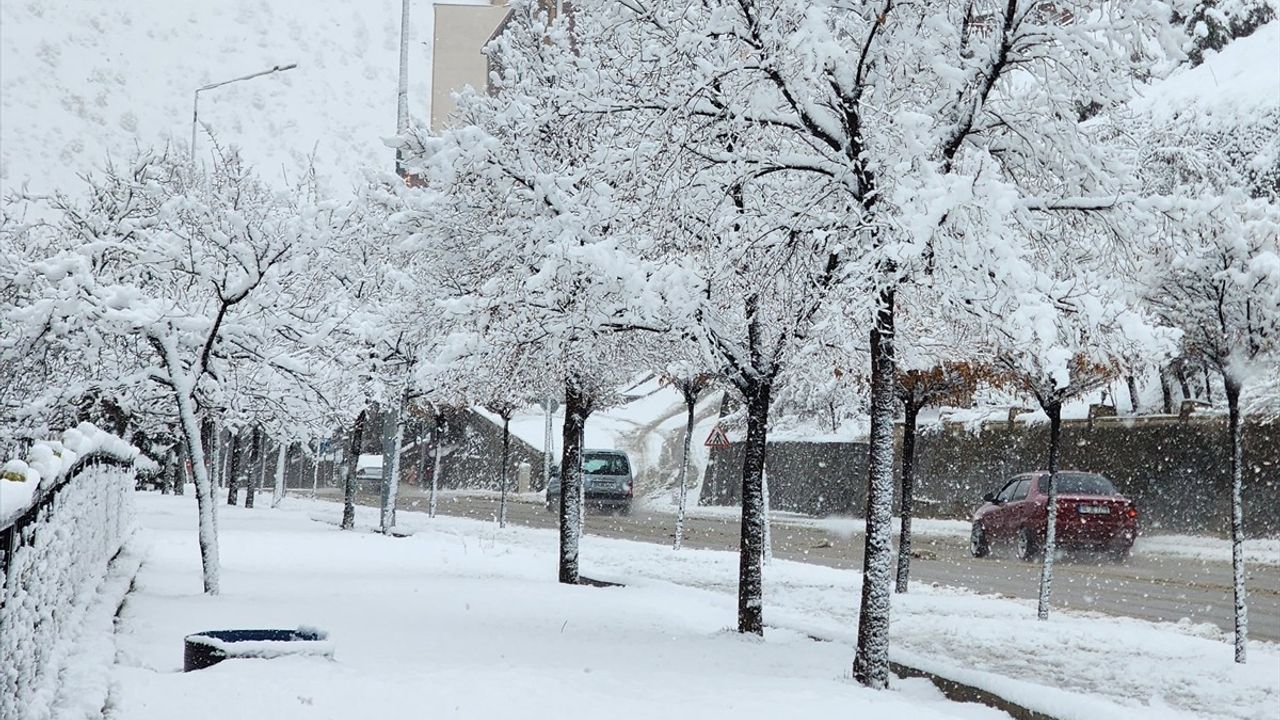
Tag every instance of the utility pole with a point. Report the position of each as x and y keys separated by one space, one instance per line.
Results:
x=402 y=93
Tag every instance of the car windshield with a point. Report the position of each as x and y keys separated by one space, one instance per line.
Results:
x=1084 y=484
x=605 y=464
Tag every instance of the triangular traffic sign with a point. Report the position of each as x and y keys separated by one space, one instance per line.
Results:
x=717 y=438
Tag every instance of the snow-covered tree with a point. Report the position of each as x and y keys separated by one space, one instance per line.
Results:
x=525 y=229
x=691 y=385
x=1209 y=25
x=950 y=383
x=183 y=278
x=930 y=132
x=1212 y=139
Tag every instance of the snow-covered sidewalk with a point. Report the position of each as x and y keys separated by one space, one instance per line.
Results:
x=460 y=622
x=466 y=620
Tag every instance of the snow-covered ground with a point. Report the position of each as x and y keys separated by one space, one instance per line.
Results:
x=459 y=622
x=464 y=620
x=1257 y=551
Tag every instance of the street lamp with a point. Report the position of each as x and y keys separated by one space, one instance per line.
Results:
x=195 y=105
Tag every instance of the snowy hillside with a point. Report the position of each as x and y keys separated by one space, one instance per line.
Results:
x=1243 y=78
x=81 y=80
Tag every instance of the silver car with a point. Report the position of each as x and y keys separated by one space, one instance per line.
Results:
x=606 y=475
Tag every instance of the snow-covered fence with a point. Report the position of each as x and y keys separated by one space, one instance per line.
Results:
x=65 y=511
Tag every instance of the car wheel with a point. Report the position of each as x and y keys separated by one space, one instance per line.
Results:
x=1120 y=553
x=1027 y=548
x=978 y=546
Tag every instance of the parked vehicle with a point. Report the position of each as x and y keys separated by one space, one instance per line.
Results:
x=1092 y=514
x=607 y=481
x=369 y=470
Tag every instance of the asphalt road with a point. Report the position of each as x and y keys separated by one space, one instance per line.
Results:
x=1149 y=587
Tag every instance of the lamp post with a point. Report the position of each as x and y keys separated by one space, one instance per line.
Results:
x=195 y=105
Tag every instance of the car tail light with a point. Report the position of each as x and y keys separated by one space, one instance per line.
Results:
x=1131 y=513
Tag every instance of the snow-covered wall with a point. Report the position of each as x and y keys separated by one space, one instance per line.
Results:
x=68 y=508
x=1178 y=472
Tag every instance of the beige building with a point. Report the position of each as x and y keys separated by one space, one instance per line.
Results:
x=457 y=60
x=461 y=32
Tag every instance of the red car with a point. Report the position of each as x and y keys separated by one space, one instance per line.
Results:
x=1091 y=514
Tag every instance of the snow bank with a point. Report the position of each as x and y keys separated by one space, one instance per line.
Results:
x=60 y=558
x=1257 y=551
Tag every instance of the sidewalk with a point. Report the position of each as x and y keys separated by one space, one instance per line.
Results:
x=455 y=622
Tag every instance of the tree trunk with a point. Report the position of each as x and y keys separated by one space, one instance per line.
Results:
x=277 y=493
x=1181 y=372
x=1166 y=392
x=180 y=472
x=224 y=457
x=169 y=471
x=208 y=524
x=871 y=664
x=506 y=458
x=424 y=435
x=908 y=492
x=1054 y=410
x=577 y=405
x=438 y=436
x=1237 y=515
x=315 y=473
x=1132 y=384
x=253 y=474
x=582 y=483
x=392 y=441
x=353 y=464
x=689 y=402
x=750 y=579
x=546 y=445
x=1208 y=387
x=235 y=457
x=766 y=520
x=209 y=439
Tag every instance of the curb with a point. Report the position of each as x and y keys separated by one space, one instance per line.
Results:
x=954 y=690
x=959 y=692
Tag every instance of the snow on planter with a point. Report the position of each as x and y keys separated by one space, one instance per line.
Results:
x=211 y=647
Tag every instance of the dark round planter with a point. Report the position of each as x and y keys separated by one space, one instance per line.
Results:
x=202 y=649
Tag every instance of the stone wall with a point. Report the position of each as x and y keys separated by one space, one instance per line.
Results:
x=1177 y=471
